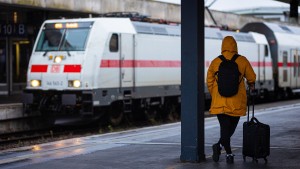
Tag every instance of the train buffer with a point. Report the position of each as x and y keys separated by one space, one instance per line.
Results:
x=159 y=147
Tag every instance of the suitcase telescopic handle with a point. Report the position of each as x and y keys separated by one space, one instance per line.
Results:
x=250 y=94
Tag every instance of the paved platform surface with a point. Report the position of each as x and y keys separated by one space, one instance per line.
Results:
x=16 y=98
x=159 y=147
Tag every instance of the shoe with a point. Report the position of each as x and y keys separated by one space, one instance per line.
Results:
x=216 y=152
x=229 y=158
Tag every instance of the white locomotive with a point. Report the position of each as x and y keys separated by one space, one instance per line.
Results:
x=80 y=67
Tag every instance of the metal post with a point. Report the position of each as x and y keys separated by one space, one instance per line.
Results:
x=294 y=11
x=192 y=81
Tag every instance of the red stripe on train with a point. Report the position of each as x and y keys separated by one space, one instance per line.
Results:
x=139 y=63
x=39 y=68
x=72 y=68
x=159 y=63
x=261 y=64
x=289 y=64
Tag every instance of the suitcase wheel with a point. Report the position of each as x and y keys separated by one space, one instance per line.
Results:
x=244 y=157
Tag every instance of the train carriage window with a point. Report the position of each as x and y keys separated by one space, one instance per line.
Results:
x=298 y=64
x=295 y=65
x=284 y=58
x=285 y=75
x=114 y=43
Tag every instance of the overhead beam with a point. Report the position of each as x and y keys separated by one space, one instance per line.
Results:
x=151 y=8
x=285 y=1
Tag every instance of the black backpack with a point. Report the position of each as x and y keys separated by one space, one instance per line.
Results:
x=228 y=76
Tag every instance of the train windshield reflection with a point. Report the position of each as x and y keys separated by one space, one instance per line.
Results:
x=63 y=39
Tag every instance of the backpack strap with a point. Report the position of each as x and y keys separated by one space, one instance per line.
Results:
x=234 y=57
x=222 y=58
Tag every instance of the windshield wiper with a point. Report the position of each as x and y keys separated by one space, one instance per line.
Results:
x=68 y=52
x=46 y=51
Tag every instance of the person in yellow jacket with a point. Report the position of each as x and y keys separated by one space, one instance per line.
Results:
x=229 y=109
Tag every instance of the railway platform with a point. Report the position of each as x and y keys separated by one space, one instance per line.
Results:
x=10 y=99
x=159 y=147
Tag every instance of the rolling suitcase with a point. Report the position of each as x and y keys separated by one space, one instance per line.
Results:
x=256 y=137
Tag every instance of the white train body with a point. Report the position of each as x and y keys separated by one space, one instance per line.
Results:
x=96 y=66
x=252 y=45
x=284 y=43
x=96 y=62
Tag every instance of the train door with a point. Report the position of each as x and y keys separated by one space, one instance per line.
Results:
x=262 y=53
x=127 y=60
x=20 y=50
x=294 y=68
x=3 y=67
x=298 y=68
x=14 y=58
x=284 y=70
x=265 y=57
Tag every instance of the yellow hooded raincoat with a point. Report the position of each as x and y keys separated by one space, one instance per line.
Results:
x=237 y=104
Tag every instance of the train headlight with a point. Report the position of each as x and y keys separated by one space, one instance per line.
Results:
x=58 y=59
x=35 y=83
x=74 y=83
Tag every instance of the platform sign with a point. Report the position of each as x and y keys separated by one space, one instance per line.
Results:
x=11 y=29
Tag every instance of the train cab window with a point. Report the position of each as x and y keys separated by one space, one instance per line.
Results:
x=114 y=43
x=266 y=51
x=50 y=40
x=284 y=58
x=63 y=36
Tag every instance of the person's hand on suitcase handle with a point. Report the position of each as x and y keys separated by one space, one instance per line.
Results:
x=251 y=87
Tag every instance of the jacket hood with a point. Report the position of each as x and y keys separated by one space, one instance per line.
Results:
x=229 y=44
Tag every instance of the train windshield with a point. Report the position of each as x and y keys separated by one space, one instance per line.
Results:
x=64 y=36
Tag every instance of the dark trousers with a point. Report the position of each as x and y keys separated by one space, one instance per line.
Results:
x=227 y=127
